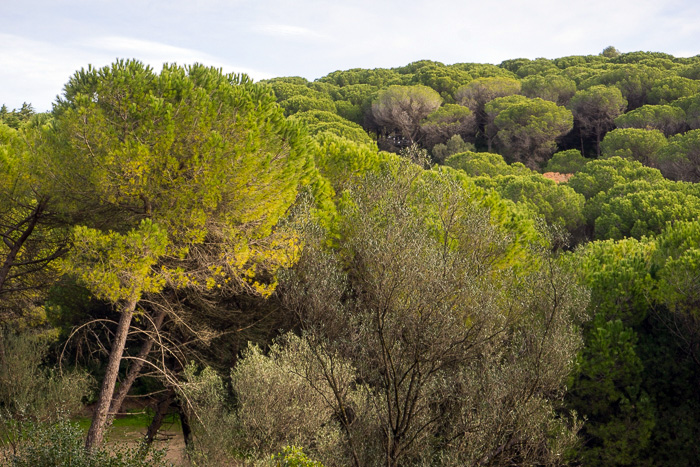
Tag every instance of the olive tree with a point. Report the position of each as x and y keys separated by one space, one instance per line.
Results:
x=460 y=349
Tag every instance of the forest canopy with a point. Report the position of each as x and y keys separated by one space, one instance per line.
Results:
x=466 y=264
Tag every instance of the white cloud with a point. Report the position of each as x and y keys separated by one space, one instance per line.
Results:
x=131 y=45
x=311 y=38
x=285 y=30
x=35 y=71
x=156 y=54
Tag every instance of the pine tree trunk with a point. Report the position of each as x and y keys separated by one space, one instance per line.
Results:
x=135 y=368
x=3 y=357
x=185 y=423
x=161 y=410
x=99 y=419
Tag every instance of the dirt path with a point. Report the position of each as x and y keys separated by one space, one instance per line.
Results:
x=172 y=441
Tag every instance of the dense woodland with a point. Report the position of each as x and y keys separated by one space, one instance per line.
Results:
x=465 y=264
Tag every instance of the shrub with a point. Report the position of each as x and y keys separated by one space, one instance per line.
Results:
x=292 y=456
x=27 y=390
x=61 y=443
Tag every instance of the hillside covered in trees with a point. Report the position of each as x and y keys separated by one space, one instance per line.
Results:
x=466 y=264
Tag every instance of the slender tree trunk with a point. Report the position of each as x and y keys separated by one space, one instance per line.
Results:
x=135 y=368
x=3 y=357
x=185 y=423
x=161 y=410
x=99 y=419
x=393 y=452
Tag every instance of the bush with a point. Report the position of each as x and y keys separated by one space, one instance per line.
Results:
x=282 y=399
x=28 y=391
x=292 y=456
x=62 y=443
x=276 y=409
x=214 y=425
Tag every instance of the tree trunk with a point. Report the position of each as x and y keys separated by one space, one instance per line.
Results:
x=393 y=453
x=3 y=357
x=99 y=419
x=161 y=410
x=185 y=423
x=135 y=368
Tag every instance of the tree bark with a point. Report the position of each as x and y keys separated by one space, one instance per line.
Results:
x=161 y=410
x=99 y=419
x=135 y=368
x=185 y=423
x=3 y=357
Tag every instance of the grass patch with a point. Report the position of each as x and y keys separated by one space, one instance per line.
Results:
x=133 y=425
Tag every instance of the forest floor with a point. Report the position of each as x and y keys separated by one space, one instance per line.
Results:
x=130 y=428
x=170 y=440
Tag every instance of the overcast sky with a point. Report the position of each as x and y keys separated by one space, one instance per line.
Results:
x=43 y=42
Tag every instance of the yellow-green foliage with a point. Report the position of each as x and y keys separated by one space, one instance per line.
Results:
x=208 y=157
x=118 y=267
x=444 y=190
x=601 y=175
x=293 y=456
x=677 y=258
x=555 y=203
x=341 y=160
x=319 y=121
x=31 y=234
x=569 y=161
x=485 y=163
x=617 y=273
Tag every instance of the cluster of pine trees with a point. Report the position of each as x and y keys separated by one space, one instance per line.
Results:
x=370 y=267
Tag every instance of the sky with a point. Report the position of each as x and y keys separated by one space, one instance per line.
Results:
x=43 y=42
